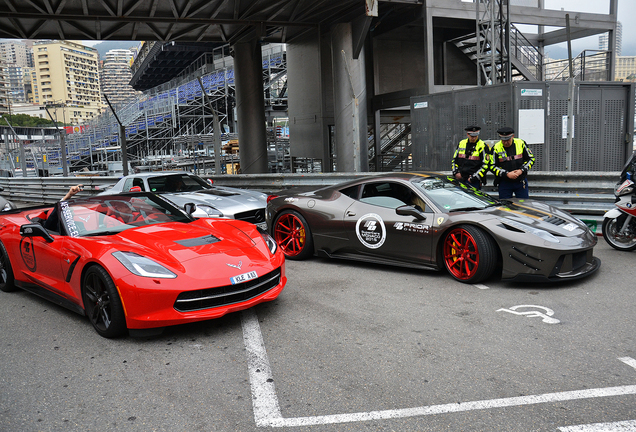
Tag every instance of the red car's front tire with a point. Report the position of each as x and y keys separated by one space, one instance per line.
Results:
x=102 y=303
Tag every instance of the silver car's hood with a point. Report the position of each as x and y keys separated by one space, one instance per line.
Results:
x=227 y=200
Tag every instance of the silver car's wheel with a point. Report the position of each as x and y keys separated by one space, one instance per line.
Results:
x=623 y=241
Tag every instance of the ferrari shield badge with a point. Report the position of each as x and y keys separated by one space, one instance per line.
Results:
x=371 y=231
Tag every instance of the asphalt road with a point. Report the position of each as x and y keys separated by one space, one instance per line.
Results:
x=346 y=347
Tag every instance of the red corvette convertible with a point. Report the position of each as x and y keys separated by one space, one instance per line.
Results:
x=136 y=262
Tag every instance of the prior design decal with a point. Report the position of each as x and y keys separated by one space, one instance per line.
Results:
x=411 y=227
x=371 y=231
x=27 y=253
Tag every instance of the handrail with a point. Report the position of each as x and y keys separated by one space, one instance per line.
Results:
x=596 y=65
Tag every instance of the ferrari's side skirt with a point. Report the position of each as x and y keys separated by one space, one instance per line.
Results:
x=355 y=257
x=50 y=296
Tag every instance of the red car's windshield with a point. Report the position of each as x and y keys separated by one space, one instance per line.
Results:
x=108 y=214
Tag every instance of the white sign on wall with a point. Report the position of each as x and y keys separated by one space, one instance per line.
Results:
x=532 y=126
x=564 y=127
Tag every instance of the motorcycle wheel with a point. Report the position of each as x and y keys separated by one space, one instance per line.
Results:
x=622 y=242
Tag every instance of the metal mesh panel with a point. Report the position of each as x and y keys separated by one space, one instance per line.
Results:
x=467 y=115
x=613 y=136
x=556 y=148
x=585 y=148
x=443 y=144
x=602 y=117
x=531 y=103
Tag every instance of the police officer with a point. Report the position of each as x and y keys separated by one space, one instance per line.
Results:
x=471 y=159
x=511 y=161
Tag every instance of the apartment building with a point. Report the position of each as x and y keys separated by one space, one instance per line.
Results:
x=67 y=80
x=16 y=52
x=625 y=68
x=4 y=95
x=116 y=75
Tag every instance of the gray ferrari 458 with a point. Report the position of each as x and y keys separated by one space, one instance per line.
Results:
x=430 y=221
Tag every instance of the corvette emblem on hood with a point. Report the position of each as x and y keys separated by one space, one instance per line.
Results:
x=237 y=266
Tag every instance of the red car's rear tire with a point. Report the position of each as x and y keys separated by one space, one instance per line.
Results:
x=469 y=254
x=102 y=303
x=293 y=235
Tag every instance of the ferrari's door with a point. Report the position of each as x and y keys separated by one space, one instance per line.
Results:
x=375 y=228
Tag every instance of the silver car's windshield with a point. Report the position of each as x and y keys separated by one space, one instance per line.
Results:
x=177 y=183
x=450 y=195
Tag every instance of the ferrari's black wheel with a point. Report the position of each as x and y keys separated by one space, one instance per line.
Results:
x=7 y=283
x=470 y=255
x=625 y=240
x=293 y=235
x=102 y=303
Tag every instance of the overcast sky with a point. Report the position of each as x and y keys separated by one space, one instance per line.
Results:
x=626 y=9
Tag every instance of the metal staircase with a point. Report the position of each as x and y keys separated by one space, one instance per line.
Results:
x=498 y=48
x=395 y=148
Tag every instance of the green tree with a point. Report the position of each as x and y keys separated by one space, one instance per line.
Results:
x=25 y=120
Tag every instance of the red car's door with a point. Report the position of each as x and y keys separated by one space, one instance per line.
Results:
x=46 y=264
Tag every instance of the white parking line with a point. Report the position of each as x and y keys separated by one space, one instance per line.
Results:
x=267 y=409
x=481 y=286
x=264 y=399
x=624 y=426
x=628 y=361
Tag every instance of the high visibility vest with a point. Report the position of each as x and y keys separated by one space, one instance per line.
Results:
x=475 y=163
x=502 y=163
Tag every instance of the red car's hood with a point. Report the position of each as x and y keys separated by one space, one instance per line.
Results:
x=190 y=246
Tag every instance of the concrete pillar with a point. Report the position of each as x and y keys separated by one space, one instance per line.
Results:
x=309 y=84
x=350 y=102
x=250 y=107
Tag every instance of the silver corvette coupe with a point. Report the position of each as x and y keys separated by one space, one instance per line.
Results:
x=210 y=200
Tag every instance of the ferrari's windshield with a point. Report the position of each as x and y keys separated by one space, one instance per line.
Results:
x=110 y=214
x=177 y=183
x=450 y=195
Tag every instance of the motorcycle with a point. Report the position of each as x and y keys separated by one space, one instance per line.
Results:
x=619 y=224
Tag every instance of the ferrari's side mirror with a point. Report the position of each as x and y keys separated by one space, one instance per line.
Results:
x=35 y=230
x=189 y=208
x=408 y=210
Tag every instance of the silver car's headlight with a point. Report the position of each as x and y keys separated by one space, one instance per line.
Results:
x=206 y=211
x=7 y=207
x=269 y=240
x=142 y=266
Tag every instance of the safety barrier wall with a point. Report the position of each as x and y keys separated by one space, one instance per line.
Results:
x=579 y=193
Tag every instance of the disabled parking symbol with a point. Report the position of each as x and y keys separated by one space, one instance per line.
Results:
x=533 y=311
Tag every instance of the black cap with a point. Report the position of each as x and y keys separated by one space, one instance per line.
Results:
x=473 y=130
x=505 y=132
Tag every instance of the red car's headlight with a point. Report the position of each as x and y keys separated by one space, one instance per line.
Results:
x=142 y=266
x=269 y=240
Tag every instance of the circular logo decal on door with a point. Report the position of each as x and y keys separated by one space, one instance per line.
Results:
x=27 y=253
x=371 y=231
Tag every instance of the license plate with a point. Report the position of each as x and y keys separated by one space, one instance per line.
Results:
x=243 y=277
